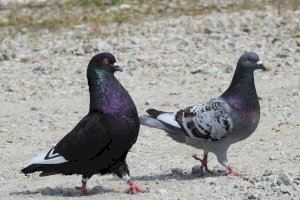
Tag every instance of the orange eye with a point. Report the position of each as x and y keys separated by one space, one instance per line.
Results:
x=105 y=61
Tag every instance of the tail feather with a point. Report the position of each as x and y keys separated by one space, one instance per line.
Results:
x=155 y=123
x=152 y=122
x=174 y=132
x=46 y=170
x=165 y=117
x=32 y=168
x=154 y=113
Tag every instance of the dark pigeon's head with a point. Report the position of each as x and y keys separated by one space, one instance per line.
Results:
x=104 y=61
x=249 y=62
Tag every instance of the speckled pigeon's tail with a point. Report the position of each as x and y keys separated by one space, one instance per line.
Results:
x=154 y=113
x=174 y=132
x=152 y=122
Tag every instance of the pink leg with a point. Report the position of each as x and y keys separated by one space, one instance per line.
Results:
x=203 y=163
x=82 y=189
x=233 y=172
x=134 y=187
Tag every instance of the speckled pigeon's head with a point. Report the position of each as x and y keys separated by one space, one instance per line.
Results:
x=104 y=61
x=250 y=61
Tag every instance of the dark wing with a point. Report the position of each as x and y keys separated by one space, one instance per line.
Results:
x=86 y=140
x=211 y=120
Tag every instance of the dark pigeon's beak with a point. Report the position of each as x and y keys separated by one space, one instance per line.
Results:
x=117 y=68
x=259 y=65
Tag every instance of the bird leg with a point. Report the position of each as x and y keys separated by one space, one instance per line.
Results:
x=233 y=172
x=82 y=189
x=203 y=163
x=133 y=186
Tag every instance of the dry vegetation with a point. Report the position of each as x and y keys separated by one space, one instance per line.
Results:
x=56 y=14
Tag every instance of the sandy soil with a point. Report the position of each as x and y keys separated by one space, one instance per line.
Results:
x=44 y=94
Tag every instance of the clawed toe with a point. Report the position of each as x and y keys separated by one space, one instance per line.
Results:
x=234 y=173
x=134 y=188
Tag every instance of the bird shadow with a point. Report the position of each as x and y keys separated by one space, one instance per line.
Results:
x=65 y=192
x=176 y=176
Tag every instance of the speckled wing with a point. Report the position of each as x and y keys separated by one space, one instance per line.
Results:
x=211 y=120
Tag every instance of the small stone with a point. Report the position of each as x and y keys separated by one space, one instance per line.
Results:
x=197 y=71
x=286 y=190
x=246 y=30
x=258 y=178
x=267 y=172
x=211 y=181
x=33 y=108
x=196 y=169
x=207 y=31
x=297 y=181
x=147 y=103
x=177 y=171
x=125 y=6
x=253 y=196
x=278 y=143
x=174 y=93
x=167 y=103
x=78 y=71
x=279 y=182
x=273 y=184
x=281 y=55
x=286 y=178
x=228 y=69
x=162 y=191
x=22 y=58
x=276 y=189
x=3 y=56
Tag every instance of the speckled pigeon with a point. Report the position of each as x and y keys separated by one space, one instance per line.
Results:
x=220 y=122
x=99 y=143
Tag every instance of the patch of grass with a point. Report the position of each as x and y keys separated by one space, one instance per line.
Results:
x=96 y=13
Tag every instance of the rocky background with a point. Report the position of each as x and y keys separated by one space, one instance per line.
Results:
x=176 y=54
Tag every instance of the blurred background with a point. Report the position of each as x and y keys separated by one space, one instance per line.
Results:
x=175 y=54
x=31 y=15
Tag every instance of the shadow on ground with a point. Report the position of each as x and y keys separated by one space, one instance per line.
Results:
x=67 y=192
x=72 y=192
x=176 y=176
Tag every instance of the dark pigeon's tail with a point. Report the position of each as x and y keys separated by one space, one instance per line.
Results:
x=45 y=170
x=163 y=121
x=29 y=169
x=37 y=167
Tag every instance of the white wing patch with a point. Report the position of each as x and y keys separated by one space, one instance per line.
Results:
x=48 y=158
x=168 y=118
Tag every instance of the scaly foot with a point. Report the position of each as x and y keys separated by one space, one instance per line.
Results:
x=203 y=166
x=134 y=187
x=233 y=172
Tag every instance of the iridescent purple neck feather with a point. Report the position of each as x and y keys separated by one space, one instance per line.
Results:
x=108 y=95
x=241 y=94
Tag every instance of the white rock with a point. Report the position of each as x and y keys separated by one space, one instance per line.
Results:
x=162 y=191
x=278 y=143
x=286 y=178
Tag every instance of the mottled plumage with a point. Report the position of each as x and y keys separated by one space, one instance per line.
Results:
x=215 y=125
x=99 y=143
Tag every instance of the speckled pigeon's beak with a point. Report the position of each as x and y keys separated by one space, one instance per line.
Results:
x=117 y=68
x=259 y=65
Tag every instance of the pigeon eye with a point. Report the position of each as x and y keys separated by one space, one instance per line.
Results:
x=105 y=61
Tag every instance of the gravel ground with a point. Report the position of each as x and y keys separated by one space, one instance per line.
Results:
x=169 y=63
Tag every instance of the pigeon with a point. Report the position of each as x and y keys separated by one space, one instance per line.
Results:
x=99 y=143
x=215 y=125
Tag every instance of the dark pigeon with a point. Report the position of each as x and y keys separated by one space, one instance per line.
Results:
x=215 y=125
x=99 y=143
